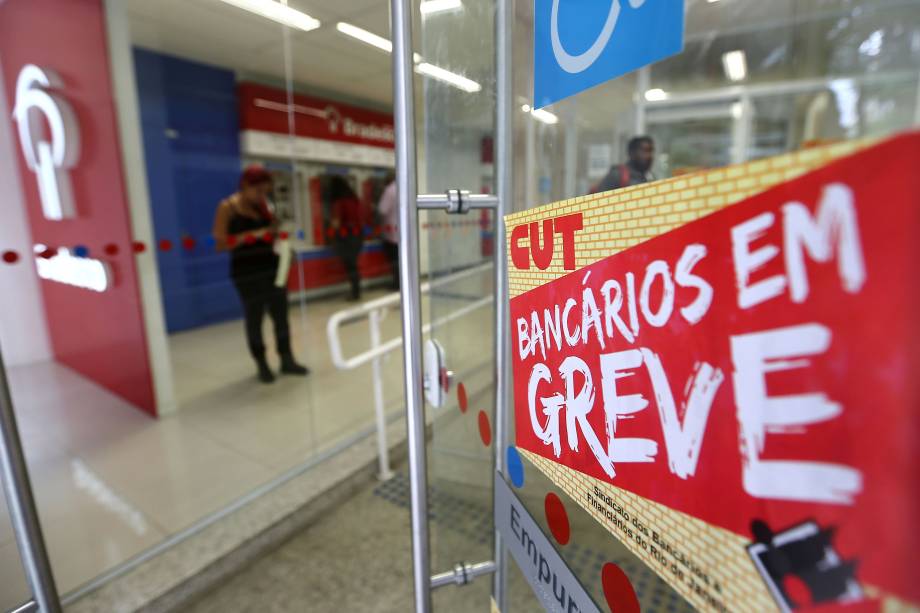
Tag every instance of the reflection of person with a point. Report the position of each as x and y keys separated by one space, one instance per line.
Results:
x=636 y=170
x=245 y=225
x=390 y=234
x=348 y=227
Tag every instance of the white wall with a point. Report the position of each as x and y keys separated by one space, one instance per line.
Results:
x=23 y=335
x=124 y=89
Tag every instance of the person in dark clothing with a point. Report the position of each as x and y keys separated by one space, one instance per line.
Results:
x=244 y=225
x=347 y=225
x=637 y=169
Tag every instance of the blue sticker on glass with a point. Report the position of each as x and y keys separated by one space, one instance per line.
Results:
x=81 y=251
x=515 y=467
x=300 y=234
x=582 y=43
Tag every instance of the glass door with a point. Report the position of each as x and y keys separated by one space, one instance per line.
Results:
x=690 y=138
x=455 y=152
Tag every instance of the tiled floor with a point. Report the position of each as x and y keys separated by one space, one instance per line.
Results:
x=337 y=563
x=111 y=482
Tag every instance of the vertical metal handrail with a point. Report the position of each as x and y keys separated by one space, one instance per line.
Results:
x=23 y=513
x=383 y=449
x=404 y=120
x=504 y=189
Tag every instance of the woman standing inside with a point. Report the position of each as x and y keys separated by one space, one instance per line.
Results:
x=347 y=225
x=245 y=226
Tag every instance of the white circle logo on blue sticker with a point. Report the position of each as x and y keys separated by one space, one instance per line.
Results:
x=579 y=63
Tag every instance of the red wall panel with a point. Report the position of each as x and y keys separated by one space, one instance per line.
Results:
x=100 y=335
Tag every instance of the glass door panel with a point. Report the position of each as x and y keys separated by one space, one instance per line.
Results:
x=455 y=152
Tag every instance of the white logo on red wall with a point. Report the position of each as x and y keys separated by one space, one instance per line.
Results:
x=50 y=138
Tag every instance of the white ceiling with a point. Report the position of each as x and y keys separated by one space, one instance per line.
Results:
x=326 y=62
x=216 y=33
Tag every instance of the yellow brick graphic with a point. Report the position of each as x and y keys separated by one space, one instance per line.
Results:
x=661 y=206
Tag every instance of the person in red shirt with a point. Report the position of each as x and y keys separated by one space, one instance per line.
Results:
x=347 y=224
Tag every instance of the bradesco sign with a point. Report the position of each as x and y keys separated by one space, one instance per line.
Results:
x=736 y=397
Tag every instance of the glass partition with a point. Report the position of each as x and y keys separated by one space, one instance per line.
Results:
x=755 y=79
x=241 y=218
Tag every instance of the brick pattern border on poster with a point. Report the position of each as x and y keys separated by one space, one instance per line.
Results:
x=617 y=220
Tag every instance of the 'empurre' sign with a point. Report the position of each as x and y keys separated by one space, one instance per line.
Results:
x=736 y=398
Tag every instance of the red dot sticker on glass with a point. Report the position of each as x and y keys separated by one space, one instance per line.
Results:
x=485 y=429
x=461 y=397
x=10 y=257
x=618 y=591
x=557 y=518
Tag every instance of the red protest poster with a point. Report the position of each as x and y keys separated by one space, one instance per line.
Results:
x=731 y=387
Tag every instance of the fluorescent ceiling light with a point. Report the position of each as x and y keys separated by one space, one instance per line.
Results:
x=656 y=94
x=541 y=115
x=436 y=6
x=364 y=36
x=872 y=46
x=737 y=110
x=283 y=14
x=735 y=65
x=449 y=77
x=421 y=67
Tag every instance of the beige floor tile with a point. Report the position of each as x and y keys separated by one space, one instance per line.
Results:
x=13 y=587
x=175 y=474
x=111 y=482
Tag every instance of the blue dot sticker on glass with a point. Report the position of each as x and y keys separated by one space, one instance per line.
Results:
x=300 y=234
x=515 y=467
x=81 y=251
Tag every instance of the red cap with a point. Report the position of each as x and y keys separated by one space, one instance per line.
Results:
x=255 y=175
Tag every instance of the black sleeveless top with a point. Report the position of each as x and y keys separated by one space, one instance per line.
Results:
x=255 y=259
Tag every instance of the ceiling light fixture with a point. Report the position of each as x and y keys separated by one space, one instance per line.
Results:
x=364 y=36
x=430 y=70
x=283 y=14
x=656 y=95
x=735 y=65
x=451 y=78
x=437 y=6
x=541 y=115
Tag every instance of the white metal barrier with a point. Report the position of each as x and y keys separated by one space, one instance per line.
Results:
x=375 y=311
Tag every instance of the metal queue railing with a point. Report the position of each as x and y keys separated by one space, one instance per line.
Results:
x=375 y=311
